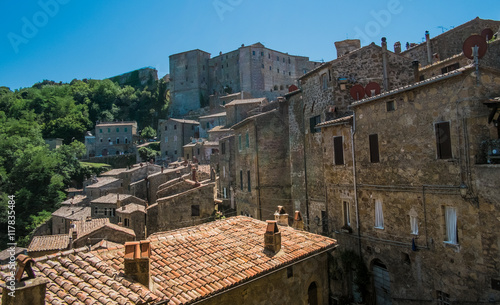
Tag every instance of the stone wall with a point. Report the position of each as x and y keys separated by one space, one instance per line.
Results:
x=279 y=288
x=179 y=187
x=136 y=220
x=104 y=233
x=177 y=211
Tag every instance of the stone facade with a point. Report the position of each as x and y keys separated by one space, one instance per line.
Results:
x=237 y=110
x=133 y=216
x=404 y=210
x=174 y=134
x=191 y=207
x=261 y=164
x=106 y=206
x=226 y=171
x=115 y=138
x=325 y=95
x=254 y=69
x=208 y=122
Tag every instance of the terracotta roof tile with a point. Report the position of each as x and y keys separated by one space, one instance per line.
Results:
x=49 y=242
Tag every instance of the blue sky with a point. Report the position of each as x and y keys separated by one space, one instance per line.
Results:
x=64 y=39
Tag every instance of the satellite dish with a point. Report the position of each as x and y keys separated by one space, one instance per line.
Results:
x=487 y=33
x=475 y=40
x=372 y=87
x=357 y=92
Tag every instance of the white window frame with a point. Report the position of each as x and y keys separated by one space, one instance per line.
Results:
x=225 y=193
x=414 y=224
x=379 y=215
x=347 y=213
x=450 y=218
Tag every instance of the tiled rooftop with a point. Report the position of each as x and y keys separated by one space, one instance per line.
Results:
x=49 y=243
x=75 y=200
x=83 y=227
x=219 y=128
x=247 y=101
x=186 y=121
x=111 y=198
x=335 y=122
x=131 y=208
x=72 y=212
x=102 y=181
x=215 y=115
x=186 y=264
x=114 y=172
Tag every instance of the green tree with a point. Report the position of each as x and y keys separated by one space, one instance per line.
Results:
x=148 y=133
x=147 y=153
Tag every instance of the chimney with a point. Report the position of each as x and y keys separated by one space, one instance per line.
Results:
x=281 y=216
x=384 y=64
x=194 y=174
x=346 y=46
x=118 y=202
x=397 y=47
x=137 y=261
x=298 y=222
x=27 y=290
x=272 y=237
x=415 y=65
x=429 y=52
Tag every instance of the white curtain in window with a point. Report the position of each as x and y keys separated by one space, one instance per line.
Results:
x=379 y=215
x=451 y=225
x=414 y=225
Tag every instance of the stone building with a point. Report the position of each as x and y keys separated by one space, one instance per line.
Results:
x=65 y=215
x=218 y=101
x=234 y=261
x=449 y=43
x=208 y=122
x=106 y=206
x=325 y=94
x=174 y=134
x=133 y=216
x=115 y=138
x=421 y=202
x=261 y=163
x=254 y=69
x=226 y=170
x=102 y=186
x=238 y=110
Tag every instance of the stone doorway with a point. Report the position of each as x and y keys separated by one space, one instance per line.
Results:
x=381 y=284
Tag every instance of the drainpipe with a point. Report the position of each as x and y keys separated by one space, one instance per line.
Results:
x=384 y=64
x=429 y=52
x=355 y=182
x=257 y=169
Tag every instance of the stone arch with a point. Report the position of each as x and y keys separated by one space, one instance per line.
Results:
x=312 y=294
x=381 y=282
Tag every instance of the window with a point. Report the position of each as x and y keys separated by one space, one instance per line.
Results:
x=113 y=210
x=195 y=210
x=277 y=58
x=192 y=126
x=224 y=171
x=166 y=127
x=175 y=152
x=324 y=82
x=414 y=224
x=223 y=148
x=239 y=142
x=109 y=130
x=389 y=106
x=166 y=152
x=100 y=140
x=241 y=180
x=315 y=120
x=166 y=139
x=283 y=59
x=379 y=215
x=225 y=193
x=186 y=67
x=450 y=68
x=125 y=129
x=261 y=53
x=175 y=138
x=289 y=272
x=443 y=140
x=249 y=184
x=126 y=222
x=247 y=140
x=347 y=216
x=338 y=151
x=106 y=211
x=117 y=140
x=126 y=140
x=269 y=55
x=117 y=129
x=198 y=151
x=289 y=73
x=278 y=70
x=208 y=125
x=451 y=225
x=442 y=298
x=100 y=130
x=175 y=127
x=374 y=154
x=270 y=67
x=253 y=52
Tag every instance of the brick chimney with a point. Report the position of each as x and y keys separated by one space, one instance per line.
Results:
x=272 y=237
x=346 y=46
x=397 y=47
x=281 y=216
x=429 y=50
x=137 y=261
x=298 y=222
x=118 y=202
x=28 y=290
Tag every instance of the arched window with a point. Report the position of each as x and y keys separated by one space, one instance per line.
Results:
x=312 y=294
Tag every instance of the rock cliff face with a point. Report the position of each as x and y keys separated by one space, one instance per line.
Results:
x=138 y=78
